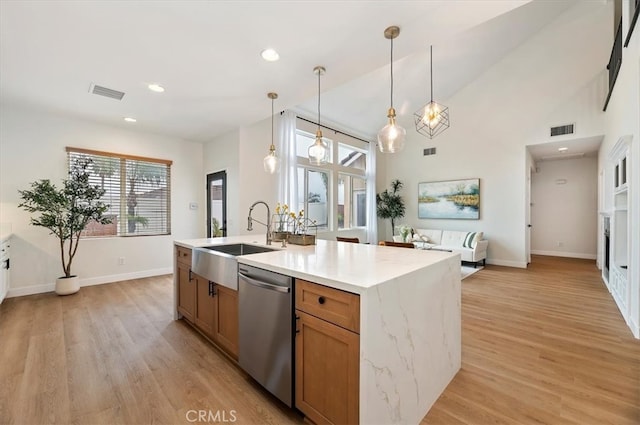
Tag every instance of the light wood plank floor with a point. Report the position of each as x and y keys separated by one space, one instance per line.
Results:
x=544 y=345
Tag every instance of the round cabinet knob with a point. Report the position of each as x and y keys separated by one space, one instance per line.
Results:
x=321 y=300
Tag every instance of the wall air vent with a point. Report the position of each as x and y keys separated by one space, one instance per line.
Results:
x=562 y=130
x=429 y=151
x=106 y=92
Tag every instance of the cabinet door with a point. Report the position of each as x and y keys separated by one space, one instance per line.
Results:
x=327 y=371
x=186 y=292
x=226 y=321
x=205 y=305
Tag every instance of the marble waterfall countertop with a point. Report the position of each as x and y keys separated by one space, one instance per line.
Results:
x=410 y=316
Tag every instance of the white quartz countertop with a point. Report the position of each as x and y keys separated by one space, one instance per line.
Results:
x=342 y=265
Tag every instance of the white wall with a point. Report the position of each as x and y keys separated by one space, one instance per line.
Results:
x=565 y=215
x=494 y=117
x=623 y=118
x=240 y=154
x=222 y=154
x=255 y=183
x=32 y=147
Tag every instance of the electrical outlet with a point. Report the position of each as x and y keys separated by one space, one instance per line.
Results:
x=120 y=261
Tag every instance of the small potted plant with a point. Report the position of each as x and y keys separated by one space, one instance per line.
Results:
x=301 y=226
x=280 y=222
x=66 y=211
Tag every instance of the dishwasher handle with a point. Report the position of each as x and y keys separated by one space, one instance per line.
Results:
x=264 y=285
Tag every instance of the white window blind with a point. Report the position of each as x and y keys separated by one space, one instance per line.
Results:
x=138 y=191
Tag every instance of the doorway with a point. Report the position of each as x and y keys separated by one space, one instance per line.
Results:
x=217 y=204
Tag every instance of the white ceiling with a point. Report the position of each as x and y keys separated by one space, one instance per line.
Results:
x=576 y=148
x=207 y=56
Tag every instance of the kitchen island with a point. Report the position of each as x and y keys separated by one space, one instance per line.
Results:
x=409 y=316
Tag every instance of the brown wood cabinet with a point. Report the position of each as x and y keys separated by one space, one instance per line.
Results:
x=186 y=292
x=205 y=305
x=211 y=308
x=327 y=354
x=225 y=331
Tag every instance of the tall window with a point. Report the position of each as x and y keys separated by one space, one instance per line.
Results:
x=333 y=195
x=138 y=191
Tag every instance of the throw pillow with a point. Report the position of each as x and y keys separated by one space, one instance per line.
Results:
x=469 y=240
x=479 y=236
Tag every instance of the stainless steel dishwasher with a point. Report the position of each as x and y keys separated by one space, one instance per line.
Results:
x=266 y=329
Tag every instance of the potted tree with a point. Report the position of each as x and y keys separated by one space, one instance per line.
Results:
x=66 y=211
x=389 y=204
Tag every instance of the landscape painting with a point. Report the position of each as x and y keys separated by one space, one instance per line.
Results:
x=458 y=199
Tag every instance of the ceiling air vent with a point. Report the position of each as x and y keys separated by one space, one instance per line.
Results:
x=562 y=130
x=106 y=92
x=429 y=151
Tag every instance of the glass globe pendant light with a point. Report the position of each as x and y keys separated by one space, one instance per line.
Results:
x=391 y=137
x=270 y=161
x=319 y=150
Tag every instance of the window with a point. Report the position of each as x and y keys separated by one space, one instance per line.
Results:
x=332 y=195
x=138 y=191
x=352 y=196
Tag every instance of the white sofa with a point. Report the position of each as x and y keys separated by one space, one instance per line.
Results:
x=471 y=245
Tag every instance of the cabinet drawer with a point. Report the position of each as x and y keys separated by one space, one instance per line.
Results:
x=333 y=305
x=184 y=255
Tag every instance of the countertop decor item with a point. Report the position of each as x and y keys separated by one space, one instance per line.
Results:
x=301 y=228
x=66 y=211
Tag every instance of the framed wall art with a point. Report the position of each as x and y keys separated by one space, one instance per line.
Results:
x=453 y=199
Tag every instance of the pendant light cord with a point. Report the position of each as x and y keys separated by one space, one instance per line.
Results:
x=391 y=72
x=319 y=72
x=272 y=147
x=431 y=70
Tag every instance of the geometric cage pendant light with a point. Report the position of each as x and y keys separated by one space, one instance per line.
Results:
x=270 y=161
x=433 y=118
x=391 y=137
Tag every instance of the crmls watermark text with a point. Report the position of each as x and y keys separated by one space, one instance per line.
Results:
x=215 y=416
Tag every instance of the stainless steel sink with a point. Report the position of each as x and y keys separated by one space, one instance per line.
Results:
x=239 y=249
x=218 y=263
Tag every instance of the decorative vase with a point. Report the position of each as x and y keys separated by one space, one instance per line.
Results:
x=67 y=285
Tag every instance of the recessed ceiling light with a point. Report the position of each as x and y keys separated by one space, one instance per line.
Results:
x=156 y=88
x=563 y=149
x=129 y=119
x=270 y=55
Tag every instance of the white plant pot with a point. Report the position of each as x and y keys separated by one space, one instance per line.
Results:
x=67 y=285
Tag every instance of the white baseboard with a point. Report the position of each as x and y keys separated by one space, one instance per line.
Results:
x=507 y=263
x=99 y=280
x=30 y=290
x=566 y=254
x=635 y=329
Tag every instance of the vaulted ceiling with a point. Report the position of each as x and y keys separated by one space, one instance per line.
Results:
x=207 y=56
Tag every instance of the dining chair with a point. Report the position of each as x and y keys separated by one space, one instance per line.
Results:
x=396 y=244
x=352 y=240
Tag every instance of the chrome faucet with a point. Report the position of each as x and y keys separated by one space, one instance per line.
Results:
x=250 y=220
